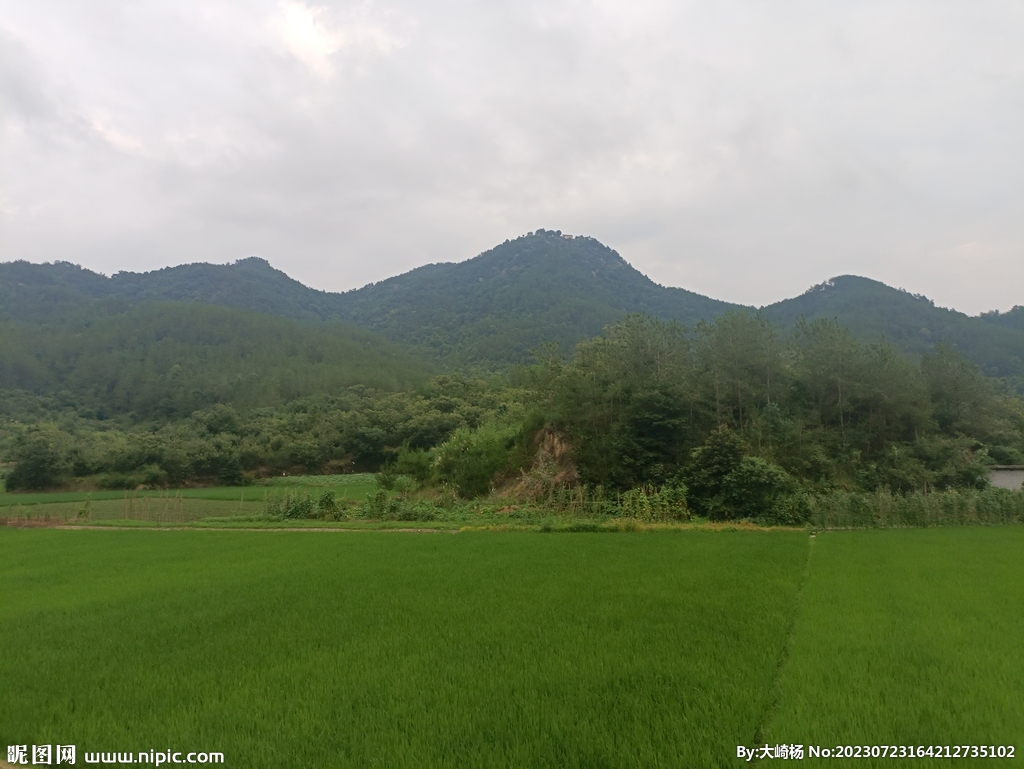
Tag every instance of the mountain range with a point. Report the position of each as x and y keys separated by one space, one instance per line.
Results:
x=497 y=308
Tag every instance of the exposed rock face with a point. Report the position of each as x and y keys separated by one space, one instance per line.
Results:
x=552 y=467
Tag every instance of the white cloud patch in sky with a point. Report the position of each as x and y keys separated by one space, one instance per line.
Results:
x=745 y=150
x=309 y=34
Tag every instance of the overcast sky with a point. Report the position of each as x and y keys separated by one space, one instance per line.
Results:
x=745 y=150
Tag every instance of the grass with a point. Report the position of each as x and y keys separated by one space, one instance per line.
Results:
x=344 y=487
x=908 y=637
x=495 y=649
x=376 y=649
x=177 y=506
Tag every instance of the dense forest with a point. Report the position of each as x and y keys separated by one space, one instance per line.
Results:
x=168 y=359
x=732 y=413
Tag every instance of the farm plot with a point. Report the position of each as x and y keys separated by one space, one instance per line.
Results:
x=909 y=638
x=175 y=505
x=374 y=649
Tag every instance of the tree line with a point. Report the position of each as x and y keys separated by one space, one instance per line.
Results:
x=735 y=414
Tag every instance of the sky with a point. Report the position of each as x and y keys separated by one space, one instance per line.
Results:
x=741 y=149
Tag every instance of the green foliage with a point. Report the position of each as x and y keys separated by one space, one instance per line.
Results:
x=874 y=312
x=497 y=308
x=160 y=395
x=39 y=462
x=883 y=509
x=710 y=466
x=417 y=464
x=753 y=488
x=470 y=460
x=358 y=429
x=649 y=402
x=168 y=360
x=651 y=505
x=623 y=403
x=486 y=313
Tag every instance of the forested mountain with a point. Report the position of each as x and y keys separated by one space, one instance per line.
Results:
x=500 y=306
x=1012 y=319
x=497 y=308
x=166 y=359
x=36 y=292
x=217 y=373
x=492 y=310
x=912 y=323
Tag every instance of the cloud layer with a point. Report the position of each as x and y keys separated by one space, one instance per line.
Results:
x=741 y=149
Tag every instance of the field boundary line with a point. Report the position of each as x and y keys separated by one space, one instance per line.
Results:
x=238 y=528
x=775 y=691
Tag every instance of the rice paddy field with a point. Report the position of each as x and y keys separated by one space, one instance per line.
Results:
x=175 y=505
x=494 y=649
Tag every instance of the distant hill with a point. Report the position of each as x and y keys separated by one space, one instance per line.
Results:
x=503 y=304
x=495 y=309
x=35 y=292
x=489 y=311
x=1013 y=319
x=912 y=323
x=168 y=359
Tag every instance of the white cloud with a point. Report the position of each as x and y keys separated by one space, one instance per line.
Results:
x=312 y=36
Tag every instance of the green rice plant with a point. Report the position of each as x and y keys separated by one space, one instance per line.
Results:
x=383 y=649
x=907 y=637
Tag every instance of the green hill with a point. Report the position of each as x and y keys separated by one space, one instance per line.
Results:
x=489 y=311
x=495 y=309
x=498 y=307
x=912 y=323
x=167 y=359
x=35 y=292
x=1013 y=319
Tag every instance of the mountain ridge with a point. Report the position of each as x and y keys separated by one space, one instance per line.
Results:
x=499 y=306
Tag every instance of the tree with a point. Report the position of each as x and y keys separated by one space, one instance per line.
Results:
x=710 y=465
x=957 y=389
x=624 y=402
x=38 y=463
x=738 y=357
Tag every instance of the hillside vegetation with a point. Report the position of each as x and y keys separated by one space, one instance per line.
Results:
x=166 y=360
x=728 y=420
x=912 y=323
x=496 y=309
x=742 y=414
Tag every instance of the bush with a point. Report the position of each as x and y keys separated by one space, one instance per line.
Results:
x=415 y=463
x=471 y=459
x=296 y=507
x=38 y=464
x=327 y=505
x=792 y=509
x=754 y=489
x=709 y=466
x=649 y=504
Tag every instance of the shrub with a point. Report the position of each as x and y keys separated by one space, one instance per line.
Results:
x=415 y=463
x=298 y=507
x=709 y=466
x=38 y=464
x=754 y=488
x=471 y=459
x=327 y=505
